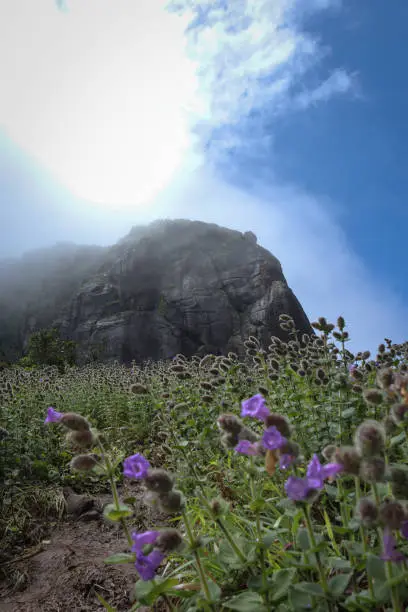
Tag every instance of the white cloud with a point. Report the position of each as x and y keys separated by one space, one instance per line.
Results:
x=255 y=54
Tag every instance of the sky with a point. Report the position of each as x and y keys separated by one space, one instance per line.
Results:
x=284 y=117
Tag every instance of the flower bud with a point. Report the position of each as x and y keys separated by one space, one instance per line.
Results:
x=83 y=463
x=399 y=482
x=280 y=422
x=290 y=448
x=349 y=458
x=328 y=452
x=82 y=439
x=372 y=469
x=158 y=481
x=373 y=396
x=399 y=412
x=169 y=540
x=392 y=514
x=172 y=502
x=229 y=423
x=367 y=512
x=74 y=421
x=139 y=389
x=370 y=438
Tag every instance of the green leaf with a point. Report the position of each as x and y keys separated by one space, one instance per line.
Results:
x=142 y=590
x=246 y=602
x=376 y=567
x=214 y=589
x=348 y=413
x=303 y=539
x=269 y=538
x=397 y=439
x=338 y=563
x=114 y=514
x=338 y=584
x=311 y=588
x=104 y=603
x=281 y=581
x=120 y=558
x=130 y=500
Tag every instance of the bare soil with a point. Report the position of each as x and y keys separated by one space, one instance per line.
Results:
x=64 y=572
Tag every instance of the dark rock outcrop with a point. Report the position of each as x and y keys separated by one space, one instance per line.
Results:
x=180 y=287
x=170 y=287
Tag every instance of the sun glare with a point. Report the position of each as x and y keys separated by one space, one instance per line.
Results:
x=99 y=94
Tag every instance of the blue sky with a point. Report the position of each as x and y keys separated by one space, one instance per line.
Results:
x=285 y=117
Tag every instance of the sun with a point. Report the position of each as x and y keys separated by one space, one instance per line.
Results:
x=100 y=95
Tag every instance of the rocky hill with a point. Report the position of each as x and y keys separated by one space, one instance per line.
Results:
x=170 y=287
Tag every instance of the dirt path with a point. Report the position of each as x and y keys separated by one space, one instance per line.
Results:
x=63 y=573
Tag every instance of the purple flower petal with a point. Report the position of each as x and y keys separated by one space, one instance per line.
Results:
x=143 y=539
x=147 y=565
x=285 y=461
x=391 y=553
x=246 y=448
x=272 y=438
x=135 y=466
x=331 y=469
x=314 y=473
x=53 y=416
x=297 y=488
x=255 y=407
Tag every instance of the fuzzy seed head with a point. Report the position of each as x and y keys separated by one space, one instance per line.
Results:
x=329 y=451
x=399 y=482
x=367 y=512
x=172 y=502
x=158 y=481
x=372 y=469
x=370 y=438
x=391 y=514
x=280 y=422
x=138 y=389
x=83 y=463
x=229 y=423
x=169 y=540
x=373 y=396
x=74 y=421
x=82 y=439
x=349 y=458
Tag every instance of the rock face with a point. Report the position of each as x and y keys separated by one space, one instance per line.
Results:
x=179 y=287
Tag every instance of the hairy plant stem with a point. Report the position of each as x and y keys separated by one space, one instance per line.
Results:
x=115 y=493
x=200 y=569
x=312 y=539
x=258 y=528
x=363 y=536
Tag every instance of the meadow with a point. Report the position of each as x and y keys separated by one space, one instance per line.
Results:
x=283 y=474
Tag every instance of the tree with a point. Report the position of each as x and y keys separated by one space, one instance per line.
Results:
x=45 y=347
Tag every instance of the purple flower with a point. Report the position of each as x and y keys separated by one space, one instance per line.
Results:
x=53 y=416
x=273 y=439
x=285 y=461
x=255 y=407
x=246 y=448
x=297 y=489
x=404 y=529
x=146 y=564
x=390 y=548
x=143 y=539
x=135 y=466
x=317 y=473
